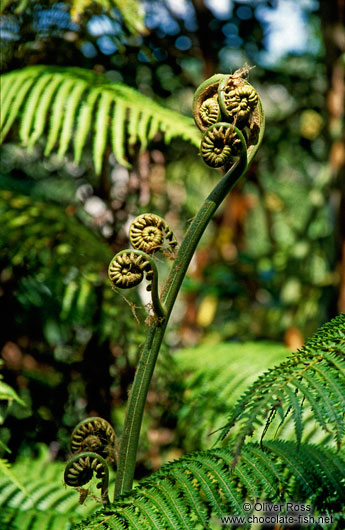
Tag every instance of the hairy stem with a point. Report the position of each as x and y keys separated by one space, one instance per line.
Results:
x=142 y=380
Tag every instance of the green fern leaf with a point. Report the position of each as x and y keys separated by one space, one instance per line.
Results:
x=117 y=133
x=158 y=500
x=69 y=116
x=30 y=110
x=148 y=512
x=6 y=471
x=42 y=110
x=84 y=124
x=297 y=412
x=132 y=518
x=175 y=503
x=335 y=418
x=65 y=100
x=18 y=98
x=101 y=130
x=278 y=470
x=206 y=485
x=192 y=498
x=57 y=114
x=320 y=383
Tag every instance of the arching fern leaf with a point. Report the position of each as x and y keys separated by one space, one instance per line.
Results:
x=313 y=377
x=71 y=104
x=195 y=491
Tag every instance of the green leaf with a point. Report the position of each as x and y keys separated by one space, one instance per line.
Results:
x=65 y=102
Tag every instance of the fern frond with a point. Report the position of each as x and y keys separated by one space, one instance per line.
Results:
x=213 y=380
x=36 y=498
x=64 y=102
x=314 y=373
x=12 y=519
x=5 y=470
x=201 y=487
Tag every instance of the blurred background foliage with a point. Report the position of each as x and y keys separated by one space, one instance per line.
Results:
x=271 y=265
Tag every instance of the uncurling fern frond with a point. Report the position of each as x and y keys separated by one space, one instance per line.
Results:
x=70 y=104
x=198 y=489
x=131 y=11
x=313 y=377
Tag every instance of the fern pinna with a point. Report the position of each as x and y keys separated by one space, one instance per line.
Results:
x=36 y=98
x=313 y=377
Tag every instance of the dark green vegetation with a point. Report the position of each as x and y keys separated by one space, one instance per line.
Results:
x=201 y=487
x=270 y=266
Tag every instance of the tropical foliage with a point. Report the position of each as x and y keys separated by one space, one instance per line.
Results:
x=195 y=491
x=85 y=149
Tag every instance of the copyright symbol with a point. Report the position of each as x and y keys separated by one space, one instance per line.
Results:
x=247 y=506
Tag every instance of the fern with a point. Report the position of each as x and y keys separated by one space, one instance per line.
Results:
x=196 y=490
x=39 y=500
x=131 y=11
x=6 y=470
x=313 y=376
x=210 y=393
x=65 y=102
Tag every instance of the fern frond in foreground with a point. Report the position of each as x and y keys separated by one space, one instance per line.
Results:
x=69 y=105
x=196 y=490
x=40 y=500
x=312 y=378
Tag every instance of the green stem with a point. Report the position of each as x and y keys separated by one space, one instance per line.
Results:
x=142 y=380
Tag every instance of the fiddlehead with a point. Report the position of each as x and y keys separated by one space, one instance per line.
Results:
x=128 y=268
x=95 y=435
x=148 y=231
x=220 y=143
x=238 y=104
x=206 y=109
x=80 y=468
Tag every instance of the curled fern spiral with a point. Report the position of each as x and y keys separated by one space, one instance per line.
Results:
x=240 y=102
x=128 y=268
x=95 y=435
x=80 y=468
x=209 y=111
x=219 y=144
x=219 y=103
x=147 y=233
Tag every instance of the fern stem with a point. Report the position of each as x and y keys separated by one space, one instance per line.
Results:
x=142 y=380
